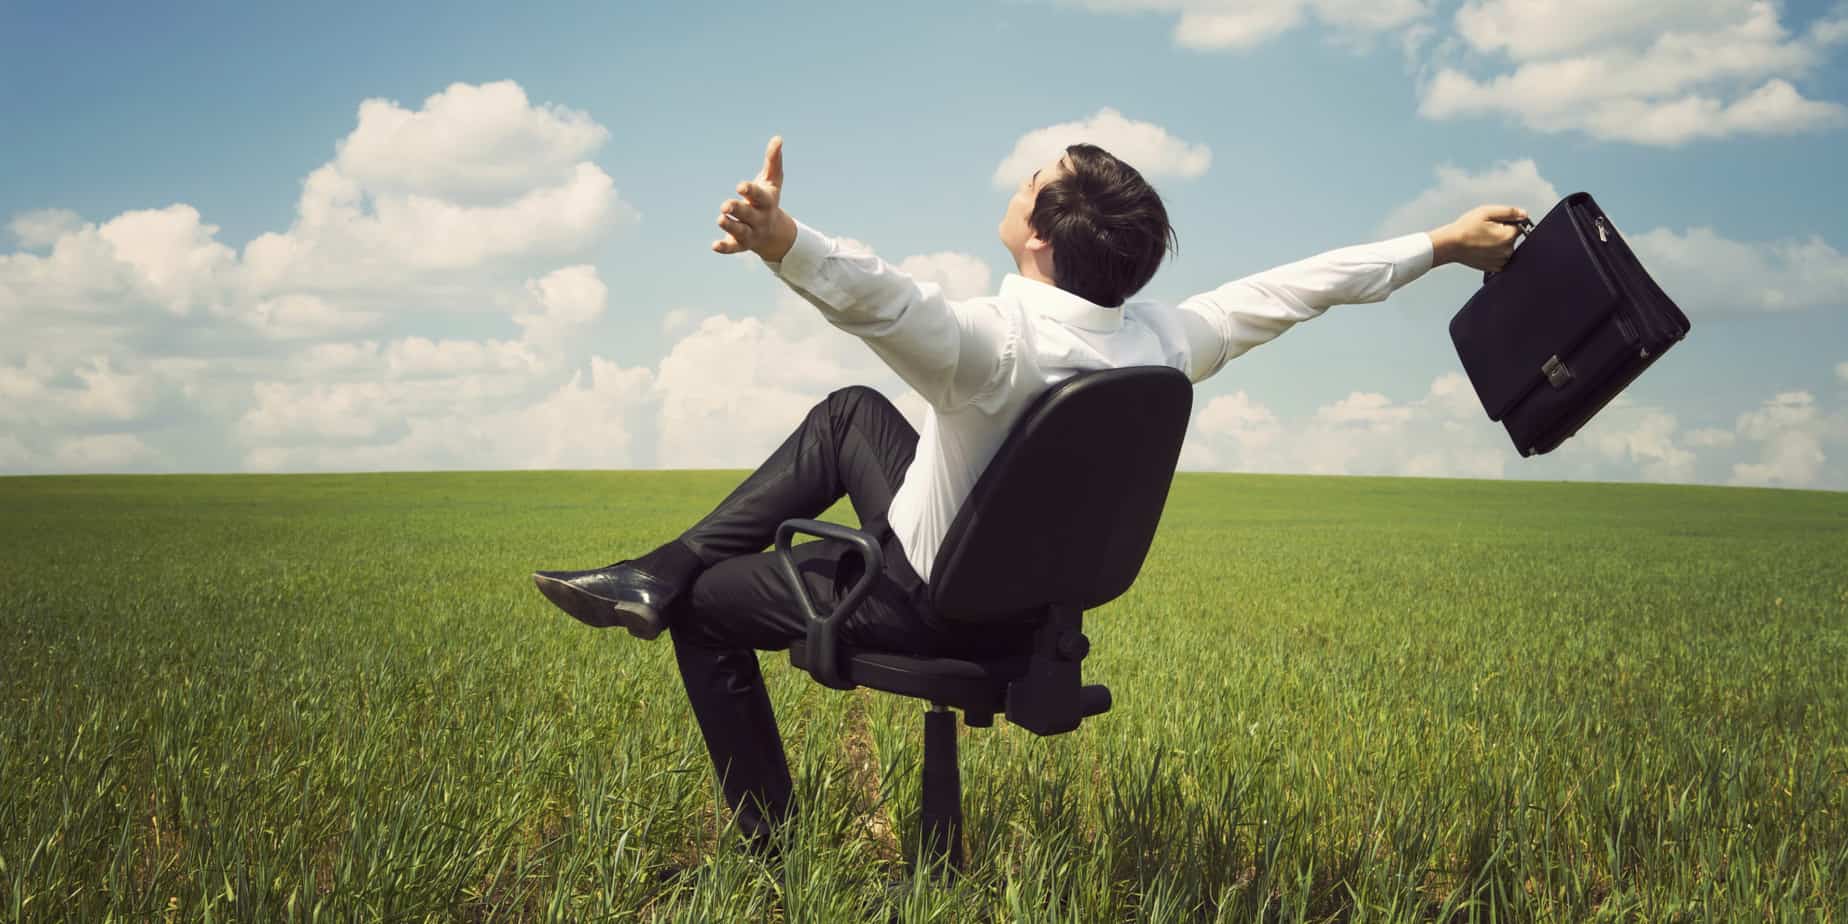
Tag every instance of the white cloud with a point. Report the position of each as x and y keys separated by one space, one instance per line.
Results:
x=733 y=389
x=1790 y=431
x=676 y=320
x=1507 y=183
x=299 y=316
x=20 y=389
x=1642 y=436
x=1787 y=411
x=166 y=258
x=1237 y=25
x=102 y=452
x=1365 y=410
x=1711 y=437
x=43 y=227
x=338 y=411
x=398 y=221
x=334 y=361
x=467 y=144
x=960 y=275
x=475 y=177
x=1706 y=273
x=1441 y=434
x=109 y=394
x=1660 y=72
x=588 y=422
x=402 y=240
x=175 y=255
x=1841 y=372
x=726 y=393
x=562 y=301
x=1790 y=459
x=1235 y=425
x=421 y=357
x=14 y=456
x=1444 y=433
x=1143 y=145
x=1531 y=30
x=468 y=203
x=97 y=391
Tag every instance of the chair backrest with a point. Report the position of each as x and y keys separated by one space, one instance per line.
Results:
x=1065 y=511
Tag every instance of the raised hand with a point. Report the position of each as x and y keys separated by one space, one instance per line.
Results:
x=756 y=221
x=1482 y=238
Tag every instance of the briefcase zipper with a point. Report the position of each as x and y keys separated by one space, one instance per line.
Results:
x=1642 y=313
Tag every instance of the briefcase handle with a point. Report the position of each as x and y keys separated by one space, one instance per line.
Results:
x=1521 y=227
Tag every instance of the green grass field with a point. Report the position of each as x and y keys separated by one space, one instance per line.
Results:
x=340 y=697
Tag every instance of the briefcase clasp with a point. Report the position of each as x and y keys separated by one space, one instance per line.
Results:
x=1557 y=375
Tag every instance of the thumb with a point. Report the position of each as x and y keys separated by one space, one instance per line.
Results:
x=1502 y=212
x=773 y=162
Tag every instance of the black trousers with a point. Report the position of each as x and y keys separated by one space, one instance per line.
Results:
x=854 y=443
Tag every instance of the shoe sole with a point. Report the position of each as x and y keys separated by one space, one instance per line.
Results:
x=642 y=620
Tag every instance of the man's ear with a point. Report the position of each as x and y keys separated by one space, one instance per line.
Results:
x=1036 y=243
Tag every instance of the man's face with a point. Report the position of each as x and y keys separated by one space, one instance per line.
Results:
x=1014 y=229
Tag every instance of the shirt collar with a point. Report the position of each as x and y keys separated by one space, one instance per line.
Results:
x=1063 y=305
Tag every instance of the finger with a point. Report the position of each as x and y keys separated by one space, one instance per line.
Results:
x=743 y=233
x=773 y=162
x=729 y=244
x=737 y=207
x=1503 y=212
x=743 y=212
x=755 y=194
x=733 y=226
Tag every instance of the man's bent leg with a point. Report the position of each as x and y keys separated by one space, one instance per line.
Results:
x=854 y=442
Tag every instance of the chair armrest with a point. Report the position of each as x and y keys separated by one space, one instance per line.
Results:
x=824 y=652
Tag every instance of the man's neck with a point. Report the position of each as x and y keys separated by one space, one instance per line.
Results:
x=1038 y=270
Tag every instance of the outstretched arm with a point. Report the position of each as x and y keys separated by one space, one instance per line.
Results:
x=953 y=353
x=1224 y=323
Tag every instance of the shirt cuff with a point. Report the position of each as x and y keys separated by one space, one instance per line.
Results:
x=1411 y=256
x=803 y=261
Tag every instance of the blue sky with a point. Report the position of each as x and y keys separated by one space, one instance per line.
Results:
x=503 y=262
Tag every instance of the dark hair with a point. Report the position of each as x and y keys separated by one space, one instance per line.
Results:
x=1106 y=225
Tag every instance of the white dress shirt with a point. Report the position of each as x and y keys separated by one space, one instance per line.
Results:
x=979 y=363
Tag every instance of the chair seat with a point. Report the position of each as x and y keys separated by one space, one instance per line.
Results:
x=978 y=687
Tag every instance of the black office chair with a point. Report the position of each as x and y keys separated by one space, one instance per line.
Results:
x=1059 y=523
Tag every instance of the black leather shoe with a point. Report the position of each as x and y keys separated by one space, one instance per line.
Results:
x=619 y=595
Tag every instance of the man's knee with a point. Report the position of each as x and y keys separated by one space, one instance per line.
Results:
x=848 y=401
x=853 y=394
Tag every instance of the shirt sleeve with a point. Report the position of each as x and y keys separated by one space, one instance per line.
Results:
x=1222 y=324
x=953 y=353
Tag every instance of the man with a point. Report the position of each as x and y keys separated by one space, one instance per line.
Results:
x=1086 y=232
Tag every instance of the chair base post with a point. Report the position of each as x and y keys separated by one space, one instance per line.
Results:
x=943 y=818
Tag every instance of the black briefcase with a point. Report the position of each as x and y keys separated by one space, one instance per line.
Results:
x=1569 y=323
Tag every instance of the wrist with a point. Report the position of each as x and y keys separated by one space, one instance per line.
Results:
x=1443 y=246
x=782 y=237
